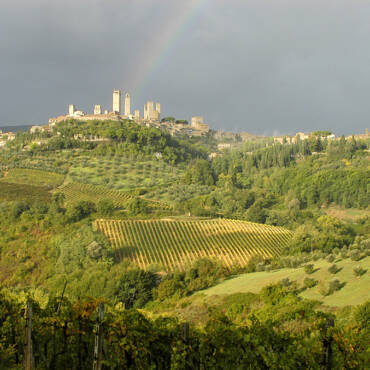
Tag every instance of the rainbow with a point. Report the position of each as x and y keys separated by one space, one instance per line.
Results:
x=157 y=52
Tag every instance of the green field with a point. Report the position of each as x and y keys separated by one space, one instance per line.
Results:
x=346 y=214
x=355 y=291
x=23 y=192
x=32 y=177
x=176 y=244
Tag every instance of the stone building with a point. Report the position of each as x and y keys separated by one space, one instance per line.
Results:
x=116 y=101
x=151 y=114
x=71 y=109
x=127 y=104
x=197 y=123
x=97 y=109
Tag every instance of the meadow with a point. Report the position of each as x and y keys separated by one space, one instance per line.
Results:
x=354 y=290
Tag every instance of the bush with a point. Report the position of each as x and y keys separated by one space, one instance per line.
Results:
x=168 y=288
x=333 y=269
x=324 y=289
x=135 y=288
x=105 y=207
x=334 y=285
x=355 y=255
x=286 y=282
x=309 y=269
x=359 y=271
x=137 y=206
x=330 y=258
x=80 y=210
x=309 y=282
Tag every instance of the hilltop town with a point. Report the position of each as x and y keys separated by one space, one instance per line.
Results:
x=151 y=117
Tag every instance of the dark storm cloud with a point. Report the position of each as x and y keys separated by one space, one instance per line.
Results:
x=259 y=66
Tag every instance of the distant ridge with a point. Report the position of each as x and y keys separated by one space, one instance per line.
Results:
x=15 y=128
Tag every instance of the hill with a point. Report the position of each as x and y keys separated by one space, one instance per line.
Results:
x=176 y=244
x=354 y=291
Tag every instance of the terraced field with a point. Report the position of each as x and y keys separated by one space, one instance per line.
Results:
x=75 y=192
x=174 y=244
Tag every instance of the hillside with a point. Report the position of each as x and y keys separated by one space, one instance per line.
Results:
x=176 y=244
x=355 y=289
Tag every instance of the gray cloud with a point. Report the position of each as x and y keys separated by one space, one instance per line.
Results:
x=259 y=66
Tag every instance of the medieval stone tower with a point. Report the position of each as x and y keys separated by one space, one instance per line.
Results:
x=71 y=109
x=150 y=113
x=97 y=109
x=127 y=104
x=116 y=101
x=158 y=107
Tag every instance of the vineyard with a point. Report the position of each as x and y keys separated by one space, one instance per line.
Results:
x=175 y=244
x=74 y=192
x=32 y=177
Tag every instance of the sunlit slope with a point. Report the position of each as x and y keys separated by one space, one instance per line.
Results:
x=174 y=244
x=75 y=192
x=355 y=289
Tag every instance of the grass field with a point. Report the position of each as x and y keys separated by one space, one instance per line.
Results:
x=346 y=214
x=355 y=291
x=33 y=177
x=176 y=244
x=22 y=192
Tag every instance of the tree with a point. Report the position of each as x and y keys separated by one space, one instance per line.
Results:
x=137 y=206
x=105 y=207
x=135 y=288
x=80 y=210
x=200 y=172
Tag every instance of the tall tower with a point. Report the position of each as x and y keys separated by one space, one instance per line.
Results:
x=158 y=107
x=71 y=109
x=116 y=101
x=97 y=109
x=127 y=104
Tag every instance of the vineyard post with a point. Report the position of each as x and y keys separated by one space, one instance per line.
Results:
x=327 y=341
x=28 y=356
x=98 y=338
x=185 y=331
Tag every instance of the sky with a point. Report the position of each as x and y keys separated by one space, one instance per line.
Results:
x=261 y=66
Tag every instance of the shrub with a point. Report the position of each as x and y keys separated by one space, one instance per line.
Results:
x=358 y=271
x=135 y=288
x=309 y=282
x=105 y=207
x=80 y=210
x=315 y=257
x=330 y=258
x=137 y=206
x=334 y=285
x=355 y=255
x=324 y=289
x=286 y=282
x=309 y=269
x=333 y=269
x=168 y=288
